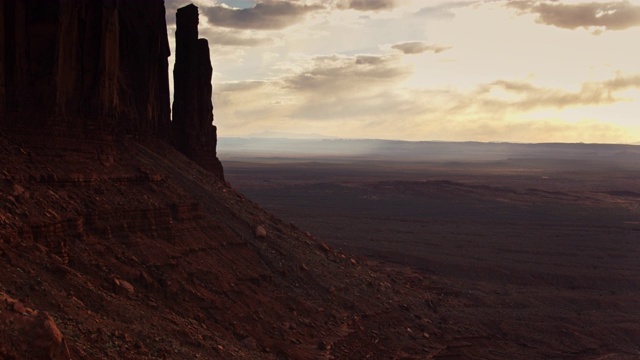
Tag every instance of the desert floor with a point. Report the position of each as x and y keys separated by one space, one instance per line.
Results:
x=542 y=253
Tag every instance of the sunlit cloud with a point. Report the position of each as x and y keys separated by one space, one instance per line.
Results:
x=332 y=89
x=599 y=16
x=416 y=70
x=331 y=75
x=526 y=96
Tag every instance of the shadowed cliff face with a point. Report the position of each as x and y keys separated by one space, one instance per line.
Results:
x=195 y=135
x=98 y=66
x=101 y=68
x=2 y=61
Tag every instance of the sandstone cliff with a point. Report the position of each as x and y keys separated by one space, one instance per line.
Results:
x=195 y=134
x=85 y=66
x=100 y=68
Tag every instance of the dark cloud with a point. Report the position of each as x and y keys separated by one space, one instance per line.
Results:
x=266 y=15
x=370 y=60
x=607 y=16
x=367 y=5
x=417 y=47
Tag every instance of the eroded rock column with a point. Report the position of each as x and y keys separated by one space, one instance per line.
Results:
x=2 y=65
x=194 y=132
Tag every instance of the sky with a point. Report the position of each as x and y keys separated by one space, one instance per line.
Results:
x=421 y=70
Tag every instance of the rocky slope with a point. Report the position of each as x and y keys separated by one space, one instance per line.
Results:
x=136 y=252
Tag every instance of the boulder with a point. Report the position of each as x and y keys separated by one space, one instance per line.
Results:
x=47 y=341
x=261 y=232
x=35 y=331
x=17 y=190
x=123 y=286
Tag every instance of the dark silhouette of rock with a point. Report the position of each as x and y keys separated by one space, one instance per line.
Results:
x=2 y=61
x=101 y=68
x=195 y=134
x=89 y=66
x=145 y=65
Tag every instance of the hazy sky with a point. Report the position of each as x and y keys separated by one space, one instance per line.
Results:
x=521 y=71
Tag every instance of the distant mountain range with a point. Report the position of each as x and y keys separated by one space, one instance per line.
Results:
x=394 y=150
x=286 y=135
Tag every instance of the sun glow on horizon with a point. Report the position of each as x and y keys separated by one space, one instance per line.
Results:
x=526 y=71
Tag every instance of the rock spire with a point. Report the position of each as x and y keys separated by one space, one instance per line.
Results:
x=100 y=68
x=195 y=134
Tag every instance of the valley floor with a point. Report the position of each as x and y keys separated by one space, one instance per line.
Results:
x=543 y=255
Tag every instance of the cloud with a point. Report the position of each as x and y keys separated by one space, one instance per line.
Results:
x=226 y=37
x=171 y=6
x=321 y=90
x=418 y=47
x=248 y=106
x=266 y=15
x=503 y=110
x=527 y=97
x=356 y=97
x=367 y=5
x=240 y=86
x=444 y=10
x=332 y=75
x=620 y=15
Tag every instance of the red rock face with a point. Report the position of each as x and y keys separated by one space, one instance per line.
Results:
x=195 y=134
x=89 y=66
